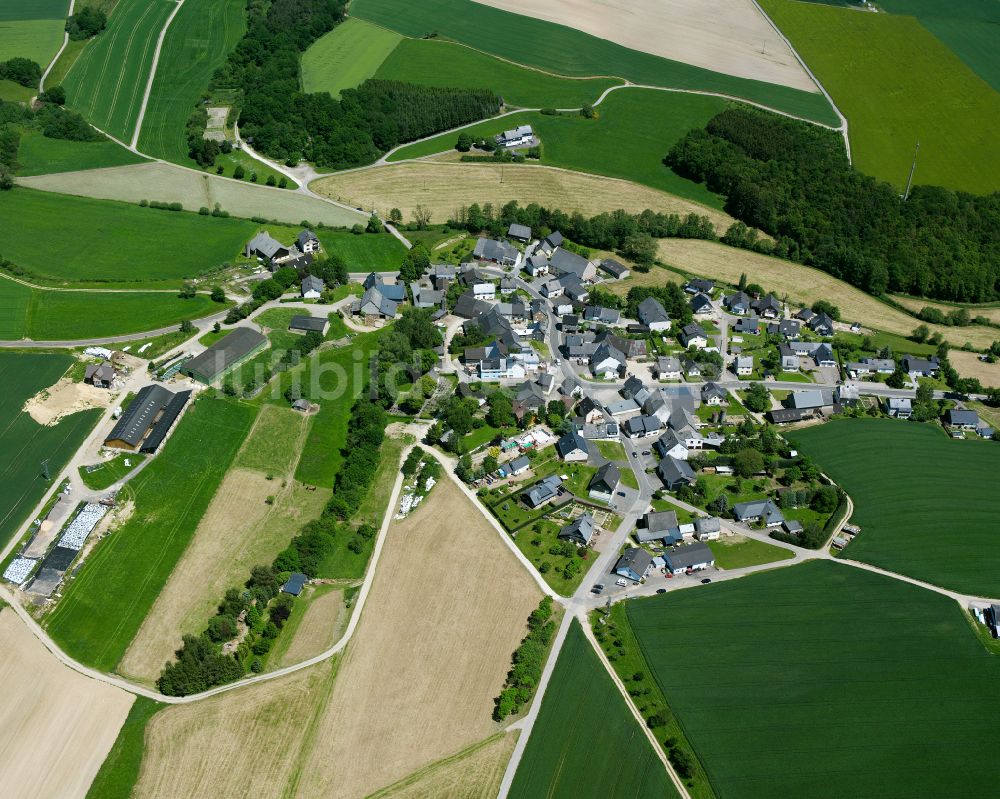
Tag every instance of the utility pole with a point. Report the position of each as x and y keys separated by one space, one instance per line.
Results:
x=45 y=469
x=913 y=168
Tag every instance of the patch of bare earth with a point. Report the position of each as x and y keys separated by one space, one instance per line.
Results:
x=56 y=726
x=66 y=397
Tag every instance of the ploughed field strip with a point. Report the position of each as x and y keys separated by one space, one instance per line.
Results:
x=825 y=680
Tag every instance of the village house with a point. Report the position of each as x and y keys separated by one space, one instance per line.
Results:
x=822 y=325
x=668 y=368
x=498 y=252
x=579 y=531
x=701 y=304
x=743 y=365
x=572 y=447
x=767 y=307
x=521 y=233
x=312 y=287
x=699 y=285
x=714 y=394
x=641 y=426
x=758 y=510
x=675 y=473
x=634 y=564
x=604 y=483
x=653 y=315
x=748 y=324
x=521 y=136
x=543 y=491
x=737 y=304
x=693 y=335
x=658 y=526
x=99 y=375
x=689 y=558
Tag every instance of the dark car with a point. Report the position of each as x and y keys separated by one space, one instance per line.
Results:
x=597 y=588
x=621 y=493
x=706 y=580
x=661 y=590
x=645 y=452
x=635 y=454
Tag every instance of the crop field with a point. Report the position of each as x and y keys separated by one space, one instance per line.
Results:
x=104 y=606
x=635 y=130
x=897 y=84
x=24 y=444
x=585 y=742
x=443 y=188
x=92 y=240
x=107 y=81
x=805 y=285
x=565 y=51
x=926 y=504
x=32 y=29
x=169 y=183
x=969 y=365
x=40 y=155
x=346 y=56
x=432 y=62
x=829 y=685
x=46 y=709
x=197 y=43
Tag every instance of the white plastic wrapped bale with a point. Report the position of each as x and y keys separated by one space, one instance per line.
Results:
x=84 y=523
x=19 y=569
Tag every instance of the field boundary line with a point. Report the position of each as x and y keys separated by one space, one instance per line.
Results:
x=152 y=74
x=59 y=52
x=36 y=287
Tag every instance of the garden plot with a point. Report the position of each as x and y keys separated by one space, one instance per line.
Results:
x=728 y=36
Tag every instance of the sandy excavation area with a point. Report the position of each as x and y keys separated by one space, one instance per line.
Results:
x=56 y=726
x=728 y=36
x=64 y=398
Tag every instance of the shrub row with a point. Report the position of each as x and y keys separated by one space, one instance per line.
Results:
x=528 y=661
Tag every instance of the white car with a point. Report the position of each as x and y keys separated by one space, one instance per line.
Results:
x=621 y=581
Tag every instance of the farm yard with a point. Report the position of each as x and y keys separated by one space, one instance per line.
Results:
x=104 y=606
x=24 y=444
x=443 y=188
x=48 y=709
x=169 y=183
x=822 y=688
x=585 y=742
x=346 y=56
x=107 y=81
x=565 y=51
x=926 y=504
x=196 y=44
x=31 y=29
x=898 y=84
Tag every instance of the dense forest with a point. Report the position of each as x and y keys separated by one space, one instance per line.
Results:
x=793 y=181
x=288 y=124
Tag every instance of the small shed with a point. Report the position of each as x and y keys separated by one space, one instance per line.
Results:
x=296 y=582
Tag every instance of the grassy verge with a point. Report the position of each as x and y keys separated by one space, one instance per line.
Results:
x=120 y=769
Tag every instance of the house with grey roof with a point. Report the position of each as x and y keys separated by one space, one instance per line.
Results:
x=518 y=466
x=701 y=304
x=267 y=248
x=549 y=244
x=675 y=473
x=921 y=367
x=312 y=287
x=822 y=324
x=519 y=232
x=786 y=328
x=374 y=303
x=607 y=362
x=563 y=262
x=572 y=447
x=99 y=375
x=714 y=394
x=787 y=415
x=602 y=316
x=758 y=510
x=767 y=307
x=537 y=264
x=738 y=303
x=653 y=315
x=393 y=291
x=635 y=389
x=641 y=426
x=521 y=136
x=658 y=523
x=693 y=335
x=692 y=557
x=959 y=419
x=634 y=564
x=809 y=399
x=307 y=242
x=699 y=285
x=615 y=268
x=498 y=252
x=605 y=482
x=579 y=531
x=707 y=528
x=543 y=491
x=743 y=365
x=622 y=407
x=668 y=368
x=309 y=324
x=789 y=358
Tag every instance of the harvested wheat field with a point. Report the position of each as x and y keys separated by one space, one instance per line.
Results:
x=322 y=625
x=241 y=743
x=417 y=683
x=50 y=405
x=443 y=188
x=915 y=304
x=803 y=284
x=56 y=726
x=728 y=36
x=969 y=365
x=474 y=773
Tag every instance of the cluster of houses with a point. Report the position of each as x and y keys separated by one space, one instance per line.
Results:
x=275 y=255
x=103 y=372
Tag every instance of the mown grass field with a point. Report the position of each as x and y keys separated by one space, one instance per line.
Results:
x=104 y=606
x=40 y=155
x=346 y=56
x=362 y=252
x=196 y=44
x=898 y=84
x=635 y=130
x=566 y=51
x=927 y=505
x=14 y=92
x=434 y=62
x=71 y=239
x=108 y=80
x=31 y=29
x=24 y=443
x=111 y=471
x=825 y=680
x=585 y=742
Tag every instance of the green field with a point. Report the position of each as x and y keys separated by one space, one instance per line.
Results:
x=24 y=444
x=108 y=80
x=346 y=56
x=14 y=92
x=927 y=505
x=585 y=742
x=196 y=44
x=104 y=240
x=104 y=605
x=40 y=155
x=635 y=130
x=565 y=51
x=897 y=84
x=749 y=552
x=823 y=680
x=381 y=252
x=446 y=64
x=31 y=29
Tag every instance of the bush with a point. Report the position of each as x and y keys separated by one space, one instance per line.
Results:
x=86 y=22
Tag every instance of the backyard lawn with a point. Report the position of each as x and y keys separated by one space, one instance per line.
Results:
x=736 y=554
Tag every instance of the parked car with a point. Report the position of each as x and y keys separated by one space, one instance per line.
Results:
x=621 y=493
x=645 y=452
x=661 y=590
x=597 y=588
x=706 y=580
x=621 y=581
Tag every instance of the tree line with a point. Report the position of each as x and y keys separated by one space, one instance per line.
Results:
x=288 y=124
x=793 y=181
x=527 y=662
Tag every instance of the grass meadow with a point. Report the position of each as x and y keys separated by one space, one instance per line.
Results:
x=31 y=29
x=363 y=252
x=108 y=80
x=120 y=770
x=898 y=84
x=433 y=62
x=110 y=471
x=24 y=443
x=927 y=505
x=825 y=680
x=40 y=155
x=565 y=51
x=196 y=44
x=67 y=239
x=346 y=56
x=14 y=92
x=103 y=607
x=585 y=742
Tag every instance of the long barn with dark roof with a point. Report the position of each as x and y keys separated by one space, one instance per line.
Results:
x=147 y=420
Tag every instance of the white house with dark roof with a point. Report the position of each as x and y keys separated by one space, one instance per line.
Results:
x=572 y=447
x=653 y=315
x=521 y=136
x=312 y=287
x=668 y=368
x=634 y=564
x=693 y=335
x=604 y=483
x=692 y=557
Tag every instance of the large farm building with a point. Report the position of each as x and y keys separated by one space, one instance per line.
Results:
x=240 y=345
